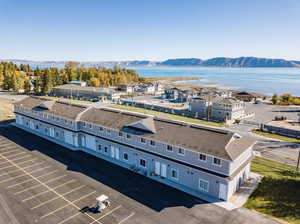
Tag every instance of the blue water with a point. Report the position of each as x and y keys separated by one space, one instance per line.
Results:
x=261 y=80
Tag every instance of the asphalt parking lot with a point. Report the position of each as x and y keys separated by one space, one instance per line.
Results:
x=41 y=182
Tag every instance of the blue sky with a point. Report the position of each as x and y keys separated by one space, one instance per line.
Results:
x=93 y=30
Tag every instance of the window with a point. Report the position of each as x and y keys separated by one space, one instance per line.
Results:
x=128 y=136
x=89 y=125
x=181 y=151
x=203 y=185
x=100 y=129
x=169 y=148
x=174 y=174
x=66 y=121
x=143 y=140
x=37 y=126
x=202 y=157
x=152 y=143
x=125 y=156
x=105 y=149
x=99 y=147
x=142 y=162
x=56 y=134
x=46 y=130
x=108 y=131
x=120 y=134
x=83 y=124
x=217 y=161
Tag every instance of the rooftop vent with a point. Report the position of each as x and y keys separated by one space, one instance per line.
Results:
x=146 y=124
x=47 y=105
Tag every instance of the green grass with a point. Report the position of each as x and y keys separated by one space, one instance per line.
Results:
x=167 y=116
x=276 y=136
x=278 y=194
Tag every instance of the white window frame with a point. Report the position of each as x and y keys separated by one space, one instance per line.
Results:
x=153 y=142
x=216 y=163
x=145 y=141
x=125 y=153
x=167 y=146
x=176 y=170
x=202 y=189
x=183 y=150
x=128 y=136
x=141 y=164
x=202 y=159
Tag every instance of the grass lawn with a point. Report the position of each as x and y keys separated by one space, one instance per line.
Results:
x=275 y=136
x=167 y=116
x=278 y=194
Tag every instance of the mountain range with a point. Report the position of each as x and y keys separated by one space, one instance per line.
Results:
x=240 y=62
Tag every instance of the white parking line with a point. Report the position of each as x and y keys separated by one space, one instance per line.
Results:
x=10 y=151
x=38 y=185
x=43 y=175
x=44 y=192
x=3 y=145
x=58 y=209
x=18 y=170
x=111 y=211
x=20 y=158
x=61 y=196
x=45 y=202
x=12 y=178
x=128 y=217
x=67 y=219
x=8 y=157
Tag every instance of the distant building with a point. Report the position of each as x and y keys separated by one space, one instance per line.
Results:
x=245 y=96
x=218 y=108
x=80 y=92
x=78 y=83
x=180 y=95
x=128 y=88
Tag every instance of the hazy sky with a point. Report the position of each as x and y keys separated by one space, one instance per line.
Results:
x=90 y=30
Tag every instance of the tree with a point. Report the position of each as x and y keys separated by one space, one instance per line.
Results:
x=27 y=86
x=95 y=82
x=274 y=99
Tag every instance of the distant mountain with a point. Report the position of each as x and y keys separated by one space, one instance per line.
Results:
x=241 y=62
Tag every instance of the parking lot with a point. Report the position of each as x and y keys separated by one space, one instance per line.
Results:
x=41 y=182
x=52 y=196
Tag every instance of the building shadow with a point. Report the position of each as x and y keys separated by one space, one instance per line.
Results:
x=150 y=193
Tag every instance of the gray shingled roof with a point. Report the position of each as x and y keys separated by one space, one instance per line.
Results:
x=61 y=109
x=197 y=138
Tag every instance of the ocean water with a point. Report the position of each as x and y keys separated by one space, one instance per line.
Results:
x=261 y=80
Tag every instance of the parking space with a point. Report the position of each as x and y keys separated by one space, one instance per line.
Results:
x=49 y=193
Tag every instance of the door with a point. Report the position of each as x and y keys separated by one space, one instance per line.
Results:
x=157 y=168
x=112 y=152
x=223 y=191
x=163 y=170
x=117 y=153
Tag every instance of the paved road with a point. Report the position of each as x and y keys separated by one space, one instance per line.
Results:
x=33 y=172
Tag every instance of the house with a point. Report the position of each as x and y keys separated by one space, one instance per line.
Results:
x=205 y=162
x=227 y=109
x=216 y=108
x=245 y=96
x=180 y=95
x=85 y=92
x=128 y=88
x=78 y=83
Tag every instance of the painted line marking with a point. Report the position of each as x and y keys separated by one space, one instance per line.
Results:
x=26 y=161
x=8 y=157
x=45 y=202
x=58 y=209
x=11 y=160
x=67 y=219
x=3 y=145
x=8 y=152
x=18 y=170
x=25 y=167
x=44 y=192
x=61 y=196
x=128 y=217
x=17 y=184
x=38 y=185
x=111 y=211
x=12 y=178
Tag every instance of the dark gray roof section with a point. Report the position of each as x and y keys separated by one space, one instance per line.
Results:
x=212 y=141
x=62 y=109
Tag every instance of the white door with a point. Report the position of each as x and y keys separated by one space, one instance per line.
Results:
x=90 y=142
x=223 y=191
x=83 y=144
x=31 y=124
x=157 y=168
x=117 y=153
x=69 y=137
x=163 y=170
x=51 y=132
x=112 y=152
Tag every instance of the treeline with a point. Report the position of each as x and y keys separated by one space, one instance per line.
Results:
x=285 y=99
x=42 y=80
